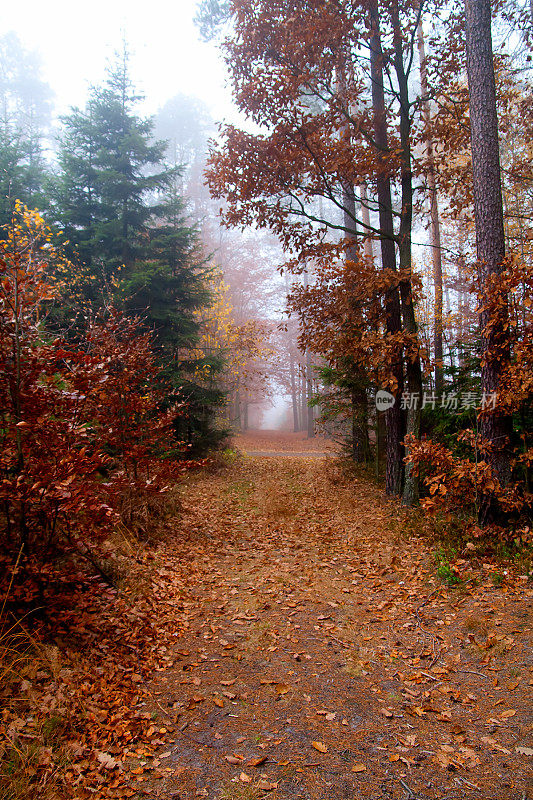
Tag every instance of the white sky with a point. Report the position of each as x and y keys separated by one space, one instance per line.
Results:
x=75 y=40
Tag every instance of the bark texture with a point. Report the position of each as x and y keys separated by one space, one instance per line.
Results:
x=394 y=416
x=413 y=366
x=490 y=235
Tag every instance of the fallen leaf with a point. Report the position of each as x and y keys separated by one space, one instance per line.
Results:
x=506 y=714
x=265 y=786
x=358 y=768
x=255 y=762
x=218 y=702
x=320 y=747
x=524 y=751
x=386 y=712
x=234 y=759
x=107 y=760
x=282 y=688
x=245 y=778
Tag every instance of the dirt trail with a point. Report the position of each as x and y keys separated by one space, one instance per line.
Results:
x=324 y=660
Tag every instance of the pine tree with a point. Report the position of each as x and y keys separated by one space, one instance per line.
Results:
x=120 y=206
x=24 y=119
x=111 y=174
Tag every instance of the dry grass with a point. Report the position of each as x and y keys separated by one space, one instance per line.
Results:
x=235 y=791
x=22 y=756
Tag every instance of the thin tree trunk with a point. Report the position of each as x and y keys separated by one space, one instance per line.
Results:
x=309 y=394
x=294 y=397
x=393 y=416
x=303 y=395
x=359 y=401
x=365 y=215
x=308 y=385
x=435 y=240
x=496 y=427
x=413 y=366
x=292 y=374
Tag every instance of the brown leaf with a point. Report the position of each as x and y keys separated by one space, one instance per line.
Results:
x=107 y=761
x=255 y=762
x=358 y=768
x=320 y=747
x=266 y=786
x=245 y=778
x=386 y=712
x=234 y=759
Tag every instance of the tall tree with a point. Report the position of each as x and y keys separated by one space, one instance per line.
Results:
x=25 y=113
x=394 y=415
x=496 y=427
x=111 y=174
x=434 y=226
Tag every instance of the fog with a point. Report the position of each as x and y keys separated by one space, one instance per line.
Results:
x=76 y=40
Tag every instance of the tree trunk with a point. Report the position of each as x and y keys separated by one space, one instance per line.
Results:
x=413 y=366
x=292 y=373
x=393 y=416
x=365 y=215
x=309 y=395
x=496 y=427
x=308 y=385
x=435 y=241
x=294 y=396
x=360 y=439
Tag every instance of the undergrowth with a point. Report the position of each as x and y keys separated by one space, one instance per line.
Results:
x=73 y=659
x=461 y=544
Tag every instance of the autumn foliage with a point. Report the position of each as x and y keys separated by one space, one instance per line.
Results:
x=462 y=478
x=82 y=438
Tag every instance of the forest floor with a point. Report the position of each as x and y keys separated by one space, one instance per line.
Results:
x=322 y=657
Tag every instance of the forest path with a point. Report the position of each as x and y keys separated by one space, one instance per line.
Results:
x=322 y=659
